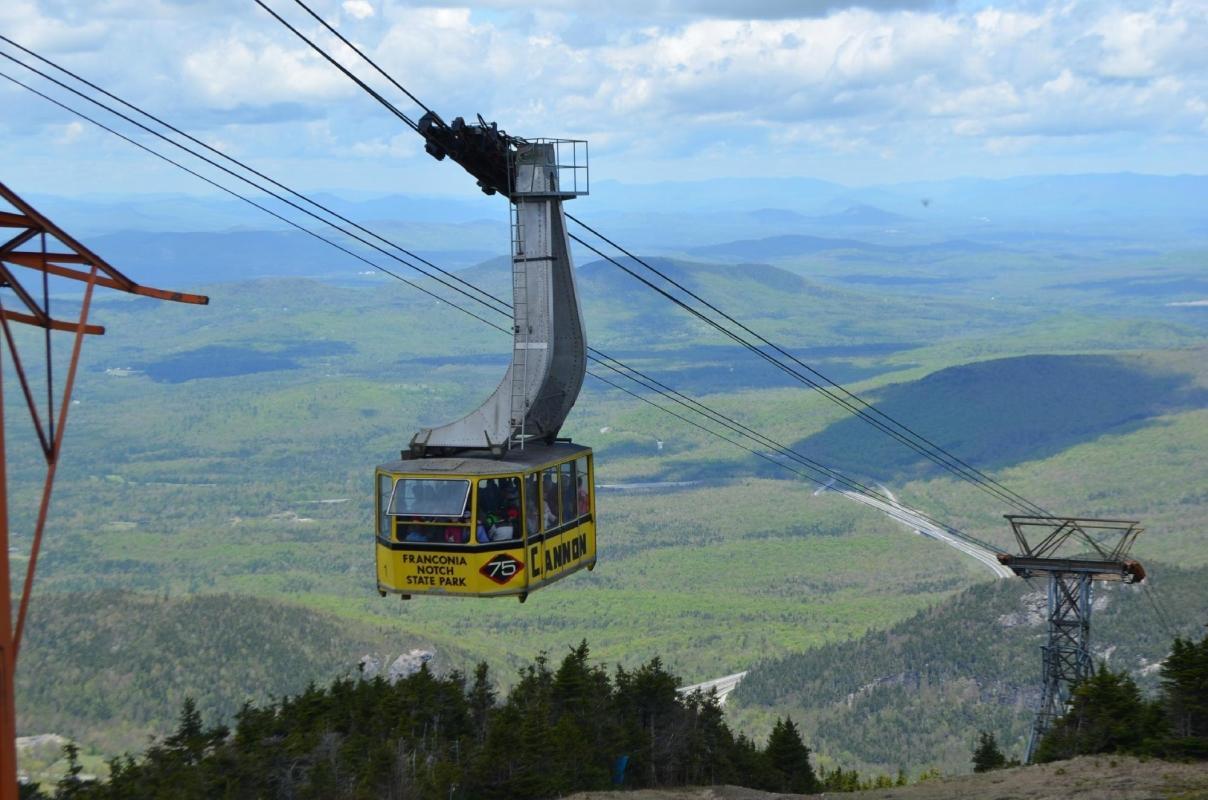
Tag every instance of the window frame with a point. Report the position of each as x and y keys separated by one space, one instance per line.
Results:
x=583 y=470
x=382 y=520
x=465 y=502
x=566 y=516
x=556 y=507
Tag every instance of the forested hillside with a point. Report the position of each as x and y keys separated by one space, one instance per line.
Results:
x=111 y=667
x=559 y=730
x=915 y=693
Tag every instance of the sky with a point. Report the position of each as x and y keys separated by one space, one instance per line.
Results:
x=884 y=91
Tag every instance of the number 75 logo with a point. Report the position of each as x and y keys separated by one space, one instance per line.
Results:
x=502 y=568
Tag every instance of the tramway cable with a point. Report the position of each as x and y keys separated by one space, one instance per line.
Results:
x=411 y=123
x=360 y=53
x=250 y=201
x=914 y=441
x=236 y=175
x=242 y=165
x=761 y=354
x=597 y=356
x=975 y=474
x=1159 y=609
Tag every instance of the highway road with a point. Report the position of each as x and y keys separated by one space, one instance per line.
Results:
x=914 y=520
x=723 y=686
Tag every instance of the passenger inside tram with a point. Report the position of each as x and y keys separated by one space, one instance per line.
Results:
x=498 y=510
x=549 y=498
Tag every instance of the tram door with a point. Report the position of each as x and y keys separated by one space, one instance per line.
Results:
x=559 y=536
x=533 y=528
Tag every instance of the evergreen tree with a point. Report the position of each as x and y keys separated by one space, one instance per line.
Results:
x=1107 y=715
x=481 y=699
x=789 y=759
x=586 y=730
x=30 y=791
x=987 y=756
x=70 y=786
x=648 y=703
x=1185 y=697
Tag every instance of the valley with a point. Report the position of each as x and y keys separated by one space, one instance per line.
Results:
x=221 y=467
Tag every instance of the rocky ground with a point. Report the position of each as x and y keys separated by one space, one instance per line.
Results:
x=1087 y=778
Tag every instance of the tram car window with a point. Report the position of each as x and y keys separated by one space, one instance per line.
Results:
x=532 y=503
x=566 y=482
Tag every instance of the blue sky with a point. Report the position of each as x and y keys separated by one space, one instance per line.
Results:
x=663 y=89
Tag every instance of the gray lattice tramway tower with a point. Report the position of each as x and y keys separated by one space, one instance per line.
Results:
x=549 y=346
x=1066 y=656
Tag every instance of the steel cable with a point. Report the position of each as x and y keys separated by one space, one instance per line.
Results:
x=860 y=408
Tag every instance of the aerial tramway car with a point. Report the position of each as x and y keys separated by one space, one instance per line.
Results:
x=495 y=504
x=474 y=524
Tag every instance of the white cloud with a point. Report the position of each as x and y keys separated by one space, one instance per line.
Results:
x=1134 y=44
x=70 y=132
x=402 y=145
x=25 y=22
x=236 y=70
x=358 y=9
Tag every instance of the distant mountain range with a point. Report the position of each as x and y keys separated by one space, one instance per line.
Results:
x=797 y=244
x=1050 y=201
x=184 y=240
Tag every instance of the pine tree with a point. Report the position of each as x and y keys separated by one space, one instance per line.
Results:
x=70 y=786
x=481 y=699
x=1107 y=715
x=790 y=758
x=648 y=705
x=585 y=727
x=1185 y=696
x=987 y=756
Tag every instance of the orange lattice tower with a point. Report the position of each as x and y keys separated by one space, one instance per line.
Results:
x=43 y=248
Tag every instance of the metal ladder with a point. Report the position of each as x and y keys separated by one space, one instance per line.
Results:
x=521 y=330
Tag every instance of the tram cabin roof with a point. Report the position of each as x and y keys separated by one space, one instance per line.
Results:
x=481 y=462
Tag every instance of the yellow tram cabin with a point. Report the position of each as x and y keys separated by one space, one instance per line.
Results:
x=477 y=525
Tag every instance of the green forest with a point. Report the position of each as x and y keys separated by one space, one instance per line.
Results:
x=1109 y=714
x=913 y=693
x=572 y=727
x=561 y=728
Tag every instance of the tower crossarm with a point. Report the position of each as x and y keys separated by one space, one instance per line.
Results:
x=1126 y=571
x=1107 y=540
x=27 y=249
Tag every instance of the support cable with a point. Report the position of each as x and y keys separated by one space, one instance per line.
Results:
x=828 y=473
x=849 y=400
x=760 y=353
x=367 y=59
x=860 y=408
x=252 y=202
x=373 y=93
x=237 y=176
x=237 y=162
x=1160 y=614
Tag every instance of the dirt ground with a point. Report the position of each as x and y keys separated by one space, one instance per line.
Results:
x=1089 y=778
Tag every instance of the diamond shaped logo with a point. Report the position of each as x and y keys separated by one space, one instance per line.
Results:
x=502 y=568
